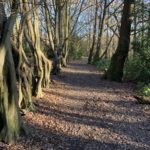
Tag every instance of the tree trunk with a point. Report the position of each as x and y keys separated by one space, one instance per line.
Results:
x=58 y=38
x=23 y=69
x=10 y=119
x=41 y=70
x=48 y=26
x=94 y=34
x=101 y=27
x=135 y=40
x=115 y=71
x=66 y=33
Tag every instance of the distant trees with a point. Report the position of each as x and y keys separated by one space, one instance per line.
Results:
x=121 y=31
x=102 y=17
x=103 y=30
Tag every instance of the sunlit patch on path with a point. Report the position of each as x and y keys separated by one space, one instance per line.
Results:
x=83 y=112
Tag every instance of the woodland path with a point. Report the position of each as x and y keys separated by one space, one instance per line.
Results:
x=81 y=111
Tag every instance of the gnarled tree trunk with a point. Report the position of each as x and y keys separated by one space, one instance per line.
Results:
x=42 y=64
x=10 y=120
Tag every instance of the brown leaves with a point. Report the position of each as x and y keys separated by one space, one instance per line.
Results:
x=82 y=112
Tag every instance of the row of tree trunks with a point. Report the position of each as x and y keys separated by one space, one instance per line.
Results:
x=42 y=66
x=24 y=68
x=101 y=28
x=60 y=37
x=102 y=18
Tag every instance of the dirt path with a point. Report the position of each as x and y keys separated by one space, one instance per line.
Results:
x=83 y=112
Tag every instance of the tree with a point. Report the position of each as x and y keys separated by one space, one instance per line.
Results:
x=42 y=65
x=102 y=18
x=115 y=71
x=94 y=33
x=10 y=120
x=23 y=67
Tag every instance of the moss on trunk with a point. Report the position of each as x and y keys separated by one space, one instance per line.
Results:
x=10 y=118
x=11 y=123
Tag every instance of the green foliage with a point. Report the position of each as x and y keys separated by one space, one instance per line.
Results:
x=79 y=54
x=76 y=52
x=132 y=69
x=146 y=90
x=138 y=68
x=143 y=89
x=103 y=64
x=77 y=48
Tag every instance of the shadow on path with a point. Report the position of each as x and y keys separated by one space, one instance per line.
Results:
x=81 y=111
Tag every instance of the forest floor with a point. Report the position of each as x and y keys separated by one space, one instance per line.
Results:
x=81 y=111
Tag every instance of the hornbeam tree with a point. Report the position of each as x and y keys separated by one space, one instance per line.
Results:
x=42 y=66
x=10 y=120
x=23 y=68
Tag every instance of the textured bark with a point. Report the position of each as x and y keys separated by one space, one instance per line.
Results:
x=10 y=121
x=58 y=24
x=66 y=34
x=23 y=69
x=41 y=62
x=61 y=35
x=94 y=33
x=115 y=71
x=135 y=30
x=148 y=24
x=101 y=27
x=48 y=25
x=47 y=67
x=52 y=46
x=37 y=54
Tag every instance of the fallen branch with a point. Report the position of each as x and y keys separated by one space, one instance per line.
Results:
x=143 y=99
